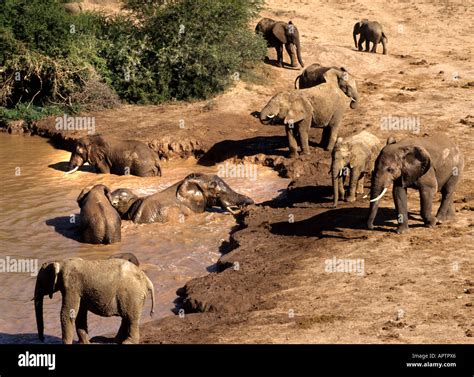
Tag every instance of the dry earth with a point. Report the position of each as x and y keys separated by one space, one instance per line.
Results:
x=417 y=287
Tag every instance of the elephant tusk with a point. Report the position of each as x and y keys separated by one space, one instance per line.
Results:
x=232 y=211
x=378 y=197
x=352 y=99
x=72 y=171
x=271 y=116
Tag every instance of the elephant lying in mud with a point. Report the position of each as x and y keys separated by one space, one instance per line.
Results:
x=314 y=75
x=355 y=155
x=100 y=222
x=429 y=165
x=108 y=287
x=319 y=106
x=193 y=194
x=370 y=31
x=116 y=157
x=279 y=33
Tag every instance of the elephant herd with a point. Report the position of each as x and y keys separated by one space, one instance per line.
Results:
x=320 y=98
x=118 y=287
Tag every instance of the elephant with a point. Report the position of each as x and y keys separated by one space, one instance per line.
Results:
x=319 y=106
x=114 y=156
x=279 y=33
x=107 y=287
x=127 y=256
x=313 y=75
x=370 y=31
x=428 y=164
x=193 y=194
x=100 y=221
x=354 y=156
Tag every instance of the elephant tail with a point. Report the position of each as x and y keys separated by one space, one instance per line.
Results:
x=296 y=80
x=151 y=290
x=384 y=36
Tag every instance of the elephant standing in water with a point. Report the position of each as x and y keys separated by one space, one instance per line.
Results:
x=355 y=155
x=108 y=287
x=429 y=165
x=319 y=106
x=370 y=31
x=279 y=33
x=193 y=194
x=100 y=222
x=116 y=157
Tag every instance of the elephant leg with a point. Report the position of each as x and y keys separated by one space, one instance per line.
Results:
x=446 y=209
x=303 y=131
x=361 y=40
x=400 y=200
x=355 y=174
x=332 y=132
x=290 y=54
x=384 y=45
x=360 y=185
x=122 y=333
x=426 y=204
x=342 y=192
x=69 y=312
x=279 y=51
x=81 y=324
x=367 y=45
x=133 y=333
x=374 y=47
x=290 y=133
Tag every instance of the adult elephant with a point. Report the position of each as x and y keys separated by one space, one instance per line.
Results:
x=193 y=194
x=279 y=33
x=113 y=156
x=100 y=222
x=370 y=31
x=108 y=287
x=429 y=165
x=319 y=106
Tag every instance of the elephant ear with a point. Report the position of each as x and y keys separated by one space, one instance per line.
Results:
x=96 y=153
x=191 y=195
x=85 y=191
x=279 y=30
x=415 y=163
x=49 y=275
x=299 y=109
x=391 y=140
x=107 y=193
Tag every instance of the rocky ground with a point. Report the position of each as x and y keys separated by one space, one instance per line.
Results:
x=272 y=285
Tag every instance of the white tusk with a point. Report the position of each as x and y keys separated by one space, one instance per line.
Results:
x=352 y=99
x=72 y=171
x=231 y=210
x=378 y=197
x=271 y=116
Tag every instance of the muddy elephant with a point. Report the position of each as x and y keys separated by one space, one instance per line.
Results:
x=100 y=221
x=108 y=287
x=370 y=31
x=113 y=156
x=279 y=33
x=429 y=164
x=319 y=106
x=193 y=194
x=313 y=75
x=354 y=157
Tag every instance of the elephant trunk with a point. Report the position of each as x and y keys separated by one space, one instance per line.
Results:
x=266 y=115
x=39 y=315
x=354 y=34
x=354 y=99
x=376 y=193
x=335 y=185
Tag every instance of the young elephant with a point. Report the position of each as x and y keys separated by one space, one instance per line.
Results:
x=370 y=31
x=109 y=287
x=116 y=157
x=354 y=156
x=277 y=34
x=429 y=165
x=193 y=194
x=320 y=106
x=314 y=75
x=100 y=222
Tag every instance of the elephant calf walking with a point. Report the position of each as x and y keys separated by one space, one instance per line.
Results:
x=108 y=287
x=355 y=155
x=370 y=31
x=429 y=164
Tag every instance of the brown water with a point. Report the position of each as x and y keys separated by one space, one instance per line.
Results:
x=36 y=203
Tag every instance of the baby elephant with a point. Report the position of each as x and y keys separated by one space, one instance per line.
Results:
x=354 y=156
x=100 y=222
x=370 y=31
x=108 y=287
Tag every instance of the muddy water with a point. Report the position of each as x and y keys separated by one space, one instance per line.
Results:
x=38 y=201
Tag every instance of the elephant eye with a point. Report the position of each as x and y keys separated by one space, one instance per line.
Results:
x=390 y=170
